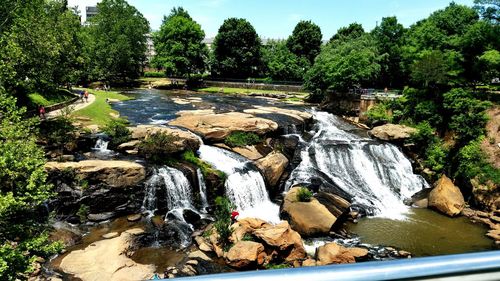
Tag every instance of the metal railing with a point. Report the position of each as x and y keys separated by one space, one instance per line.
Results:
x=474 y=266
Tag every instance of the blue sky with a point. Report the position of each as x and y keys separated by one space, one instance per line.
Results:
x=277 y=18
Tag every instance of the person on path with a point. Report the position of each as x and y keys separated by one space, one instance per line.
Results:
x=86 y=95
x=81 y=96
x=41 y=111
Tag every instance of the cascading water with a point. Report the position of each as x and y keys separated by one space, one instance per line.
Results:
x=244 y=186
x=377 y=175
x=203 y=190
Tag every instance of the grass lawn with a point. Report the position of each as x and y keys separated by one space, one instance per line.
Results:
x=99 y=111
x=243 y=91
x=58 y=96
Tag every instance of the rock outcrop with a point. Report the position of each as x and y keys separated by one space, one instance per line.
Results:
x=392 y=132
x=244 y=254
x=115 y=174
x=333 y=253
x=308 y=218
x=216 y=127
x=185 y=140
x=272 y=167
x=446 y=197
x=283 y=238
x=106 y=260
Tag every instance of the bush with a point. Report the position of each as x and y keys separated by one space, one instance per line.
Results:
x=158 y=147
x=58 y=132
x=223 y=209
x=304 y=195
x=206 y=168
x=155 y=74
x=118 y=132
x=239 y=139
x=436 y=157
x=424 y=137
x=472 y=164
x=378 y=114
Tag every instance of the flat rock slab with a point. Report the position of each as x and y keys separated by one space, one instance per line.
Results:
x=110 y=235
x=216 y=127
x=185 y=140
x=392 y=132
x=134 y=218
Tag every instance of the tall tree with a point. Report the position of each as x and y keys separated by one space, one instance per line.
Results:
x=116 y=42
x=489 y=9
x=281 y=64
x=354 y=30
x=237 y=50
x=389 y=36
x=305 y=40
x=179 y=45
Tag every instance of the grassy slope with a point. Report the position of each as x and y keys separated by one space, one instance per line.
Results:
x=49 y=99
x=99 y=111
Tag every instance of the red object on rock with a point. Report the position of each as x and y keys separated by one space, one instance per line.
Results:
x=234 y=214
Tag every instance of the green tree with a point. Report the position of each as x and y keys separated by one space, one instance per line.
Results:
x=431 y=69
x=389 y=36
x=343 y=65
x=281 y=64
x=236 y=50
x=354 y=30
x=179 y=45
x=116 y=42
x=305 y=40
x=489 y=64
x=22 y=191
x=489 y=9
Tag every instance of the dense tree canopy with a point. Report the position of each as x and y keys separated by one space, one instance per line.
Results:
x=281 y=64
x=236 y=50
x=354 y=30
x=179 y=45
x=116 y=41
x=489 y=9
x=305 y=41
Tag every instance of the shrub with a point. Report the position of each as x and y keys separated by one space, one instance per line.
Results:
x=118 y=132
x=206 y=168
x=223 y=209
x=276 y=266
x=239 y=139
x=154 y=74
x=304 y=195
x=378 y=114
x=436 y=156
x=424 y=137
x=472 y=164
x=58 y=131
x=158 y=147
x=82 y=212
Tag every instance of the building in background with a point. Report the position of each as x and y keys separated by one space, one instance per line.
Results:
x=150 y=52
x=90 y=11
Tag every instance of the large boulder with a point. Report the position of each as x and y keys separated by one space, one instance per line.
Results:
x=185 y=139
x=245 y=254
x=308 y=218
x=106 y=260
x=249 y=152
x=446 y=197
x=272 y=167
x=337 y=205
x=284 y=238
x=216 y=127
x=116 y=174
x=333 y=253
x=392 y=132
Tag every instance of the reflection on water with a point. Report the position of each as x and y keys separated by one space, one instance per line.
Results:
x=425 y=233
x=162 y=258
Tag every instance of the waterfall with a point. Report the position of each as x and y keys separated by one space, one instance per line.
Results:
x=101 y=145
x=203 y=189
x=377 y=175
x=244 y=186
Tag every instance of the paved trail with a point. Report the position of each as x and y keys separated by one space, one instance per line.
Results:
x=79 y=104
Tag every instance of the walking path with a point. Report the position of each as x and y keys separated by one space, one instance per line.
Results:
x=79 y=104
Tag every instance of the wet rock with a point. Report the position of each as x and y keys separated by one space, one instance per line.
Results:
x=116 y=174
x=192 y=262
x=131 y=145
x=337 y=205
x=333 y=253
x=66 y=158
x=199 y=255
x=135 y=231
x=308 y=218
x=191 y=216
x=68 y=235
x=101 y=216
x=249 y=152
x=158 y=221
x=189 y=270
x=309 y=262
x=392 y=132
x=494 y=234
x=134 y=218
x=244 y=254
x=203 y=244
x=446 y=197
x=216 y=127
x=421 y=198
x=272 y=167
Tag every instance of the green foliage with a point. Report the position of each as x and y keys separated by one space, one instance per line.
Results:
x=276 y=266
x=343 y=65
x=179 y=46
x=489 y=62
x=83 y=212
x=436 y=157
x=305 y=41
x=118 y=132
x=206 y=168
x=472 y=164
x=425 y=135
x=223 y=209
x=58 y=131
x=115 y=42
x=248 y=237
x=158 y=147
x=304 y=195
x=236 y=50
x=353 y=31
x=240 y=139
x=430 y=69
x=281 y=64
x=154 y=74
x=379 y=114
x=468 y=117
x=22 y=191
x=489 y=9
